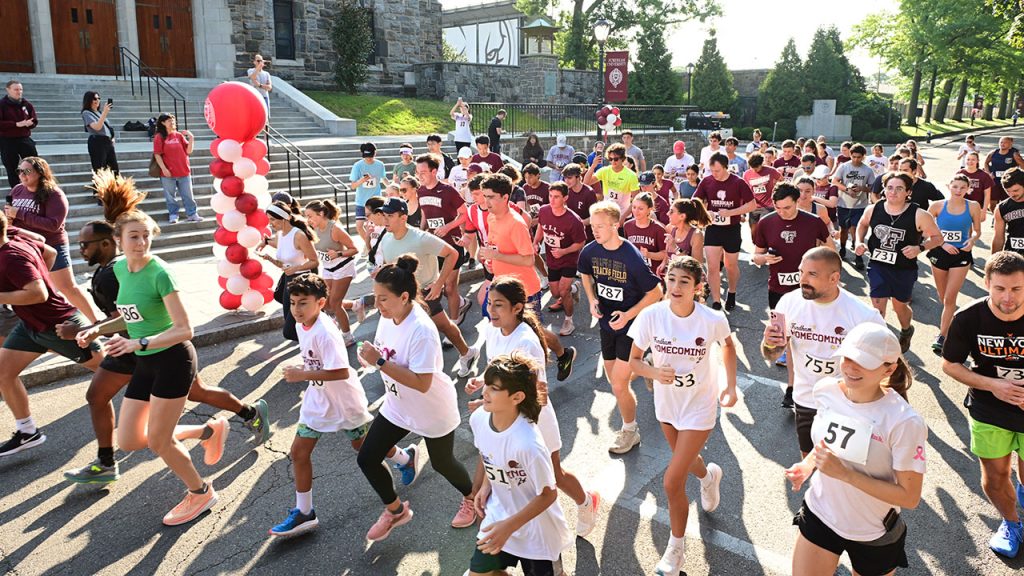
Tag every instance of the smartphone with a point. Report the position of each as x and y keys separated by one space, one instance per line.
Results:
x=110 y=101
x=10 y=199
x=778 y=320
x=773 y=252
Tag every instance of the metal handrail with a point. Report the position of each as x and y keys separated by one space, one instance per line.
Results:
x=302 y=158
x=130 y=63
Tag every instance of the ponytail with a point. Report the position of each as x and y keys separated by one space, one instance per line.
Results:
x=326 y=208
x=695 y=211
x=901 y=379
x=513 y=290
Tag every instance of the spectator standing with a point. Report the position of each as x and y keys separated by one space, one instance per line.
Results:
x=533 y=152
x=17 y=119
x=495 y=130
x=463 y=120
x=101 y=134
x=171 y=150
x=260 y=79
x=559 y=156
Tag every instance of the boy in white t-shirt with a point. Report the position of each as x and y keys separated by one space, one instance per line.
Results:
x=334 y=400
x=878 y=161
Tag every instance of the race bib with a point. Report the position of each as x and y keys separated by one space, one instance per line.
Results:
x=552 y=241
x=820 y=367
x=371 y=182
x=885 y=256
x=130 y=313
x=952 y=235
x=497 y=475
x=1016 y=243
x=323 y=256
x=609 y=292
x=719 y=220
x=789 y=278
x=848 y=437
x=390 y=386
x=999 y=173
x=614 y=195
x=687 y=380
x=434 y=223
x=1015 y=375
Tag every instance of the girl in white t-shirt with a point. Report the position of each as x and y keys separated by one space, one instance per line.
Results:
x=870 y=455
x=514 y=328
x=522 y=522
x=419 y=397
x=681 y=334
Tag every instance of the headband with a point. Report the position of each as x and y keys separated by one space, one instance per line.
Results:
x=405 y=151
x=278 y=212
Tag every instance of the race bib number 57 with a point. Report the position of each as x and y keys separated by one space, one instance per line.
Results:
x=848 y=437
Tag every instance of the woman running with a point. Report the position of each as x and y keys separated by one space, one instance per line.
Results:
x=680 y=334
x=337 y=253
x=981 y=181
x=959 y=220
x=870 y=455
x=408 y=191
x=689 y=186
x=419 y=397
x=665 y=188
x=685 y=233
x=646 y=233
x=295 y=255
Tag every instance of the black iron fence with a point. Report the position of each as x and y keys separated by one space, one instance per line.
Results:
x=297 y=159
x=145 y=82
x=553 y=119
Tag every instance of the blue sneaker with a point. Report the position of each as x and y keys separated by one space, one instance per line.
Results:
x=408 y=471
x=782 y=360
x=1020 y=495
x=1006 y=541
x=296 y=523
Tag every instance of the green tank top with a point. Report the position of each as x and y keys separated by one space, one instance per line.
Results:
x=140 y=299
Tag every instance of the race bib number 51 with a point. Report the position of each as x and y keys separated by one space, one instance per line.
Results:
x=130 y=313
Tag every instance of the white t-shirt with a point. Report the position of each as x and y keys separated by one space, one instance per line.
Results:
x=332 y=405
x=886 y=433
x=414 y=344
x=705 y=158
x=525 y=341
x=691 y=402
x=675 y=168
x=965 y=148
x=815 y=331
x=878 y=164
x=753 y=147
x=462 y=131
x=263 y=78
x=518 y=465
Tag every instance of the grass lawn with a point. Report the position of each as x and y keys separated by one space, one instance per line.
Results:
x=386 y=115
x=920 y=131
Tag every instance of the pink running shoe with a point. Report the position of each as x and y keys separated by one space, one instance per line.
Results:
x=387 y=522
x=466 y=516
x=214 y=445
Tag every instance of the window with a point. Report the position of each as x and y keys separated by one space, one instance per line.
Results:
x=284 y=30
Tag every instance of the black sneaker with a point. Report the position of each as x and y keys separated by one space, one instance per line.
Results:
x=730 y=302
x=905 y=336
x=21 y=441
x=716 y=305
x=471 y=264
x=464 y=307
x=787 y=400
x=842 y=252
x=940 y=340
x=565 y=363
x=858 y=262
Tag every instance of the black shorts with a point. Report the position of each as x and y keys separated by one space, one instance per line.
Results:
x=728 y=237
x=945 y=261
x=616 y=346
x=887 y=281
x=433 y=307
x=459 y=262
x=868 y=558
x=773 y=299
x=556 y=274
x=167 y=374
x=124 y=364
x=804 y=418
x=482 y=563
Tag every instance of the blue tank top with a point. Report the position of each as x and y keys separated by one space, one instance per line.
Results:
x=955 y=228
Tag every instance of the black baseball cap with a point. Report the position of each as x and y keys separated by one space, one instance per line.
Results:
x=646 y=178
x=579 y=158
x=395 y=206
x=367 y=149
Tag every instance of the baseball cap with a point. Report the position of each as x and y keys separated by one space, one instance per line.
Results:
x=820 y=171
x=282 y=197
x=477 y=168
x=560 y=140
x=579 y=158
x=646 y=178
x=367 y=149
x=465 y=152
x=678 y=147
x=395 y=206
x=870 y=345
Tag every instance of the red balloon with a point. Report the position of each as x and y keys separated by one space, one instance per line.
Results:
x=220 y=217
x=235 y=110
x=257 y=219
x=246 y=203
x=262 y=167
x=251 y=269
x=265 y=232
x=615 y=111
x=236 y=254
x=232 y=186
x=268 y=296
x=229 y=301
x=262 y=282
x=223 y=282
x=213 y=147
x=254 y=149
x=221 y=169
x=225 y=237
x=618 y=121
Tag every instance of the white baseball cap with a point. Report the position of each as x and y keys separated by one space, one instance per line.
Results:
x=870 y=345
x=560 y=140
x=465 y=152
x=820 y=171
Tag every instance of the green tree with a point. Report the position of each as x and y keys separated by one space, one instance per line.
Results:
x=450 y=54
x=712 y=80
x=653 y=81
x=782 y=97
x=352 y=39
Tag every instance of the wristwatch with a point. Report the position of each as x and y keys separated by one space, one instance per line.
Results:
x=380 y=362
x=143 y=343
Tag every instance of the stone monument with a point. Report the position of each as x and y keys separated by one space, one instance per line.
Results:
x=824 y=120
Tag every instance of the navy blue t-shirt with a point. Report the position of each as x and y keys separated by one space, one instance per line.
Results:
x=621 y=278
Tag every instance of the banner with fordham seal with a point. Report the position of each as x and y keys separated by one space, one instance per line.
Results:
x=616 y=76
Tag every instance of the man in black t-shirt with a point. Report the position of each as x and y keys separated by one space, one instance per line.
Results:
x=922 y=192
x=494 y=131
x=991 y=332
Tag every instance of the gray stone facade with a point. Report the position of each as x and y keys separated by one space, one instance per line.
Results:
x=536 y=79
x=657 y=146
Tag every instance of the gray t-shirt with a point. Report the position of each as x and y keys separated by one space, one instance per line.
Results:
x=636 y=154
x=423 y=245
x=262 y=78
x=88 y=117
x=851 y=175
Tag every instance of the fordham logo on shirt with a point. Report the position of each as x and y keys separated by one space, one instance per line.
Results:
x=432 y=201
x=808 y=333
x=888 y=237
x=721 y=194
x=840 y=330
x=511 y=475
x=672 y=346
x=789 y=236
x=699 y=341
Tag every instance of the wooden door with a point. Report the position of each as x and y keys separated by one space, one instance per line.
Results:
x=16 y=41
x=85 y=36
x=165 y=36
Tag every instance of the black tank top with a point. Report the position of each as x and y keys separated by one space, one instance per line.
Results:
x=1012 y=212
x=891 y=234
x=104 y=288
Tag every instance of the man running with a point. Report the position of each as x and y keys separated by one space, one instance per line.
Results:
x=1009 y=213
x=998 y=162
x=485 y=156
x=923 y=192
x=677 y=163
x=762 y=180
x=713 y=147
x=618 y=182
x=434 y=147
x=854 y=180
x=789 y=162
x=563 y=234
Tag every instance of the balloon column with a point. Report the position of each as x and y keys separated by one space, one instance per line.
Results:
x=608 y=118
x=236 y=113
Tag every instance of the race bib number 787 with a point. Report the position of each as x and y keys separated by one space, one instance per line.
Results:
x=609 y=292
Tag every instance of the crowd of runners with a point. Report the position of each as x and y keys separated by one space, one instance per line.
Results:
x=648 y=250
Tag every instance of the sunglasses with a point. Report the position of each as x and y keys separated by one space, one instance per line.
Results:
x=25 y=171
x=615 y=158
x=85 y=243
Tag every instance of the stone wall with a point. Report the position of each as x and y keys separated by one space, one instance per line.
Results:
x=748 y=82
x=536 y=79
x=657 y=146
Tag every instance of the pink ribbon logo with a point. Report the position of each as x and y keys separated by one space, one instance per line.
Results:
x=920 y=454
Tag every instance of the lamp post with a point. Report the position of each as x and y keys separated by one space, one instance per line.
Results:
x=689 y=82
x=601 y=30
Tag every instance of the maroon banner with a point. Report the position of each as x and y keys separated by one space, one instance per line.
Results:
x=616 y=76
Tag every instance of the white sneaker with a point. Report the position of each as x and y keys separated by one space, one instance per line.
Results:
x=709 y=488
x=575 y=293
x=543 y=283
x=625 y=441
x=466 y=362
x=586 y=516
x=567 y=327
x=672 y=562
x=173 y=218
x=195 y=218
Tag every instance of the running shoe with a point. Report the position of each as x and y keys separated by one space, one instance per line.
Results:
x=466 y=516
x=387 y=522
x=173 y=219
x=464 y=307
x=782 y=360
x=710 y=495
x=544 y=283
x=586 y=516
x=905 y=335
x=787 y=400
x=349 y=340
x=858 y=262
x=195 y=218
x=467 y=362
x=471 y=264
x=730 y=302
x=575 y=292
x=716 y=305
x=567 y=327
x=842 y=252
x=408 y=470
x=625 y=441
x=191 y=507
x=21 y=441
x=671 y=563
x=94 y=473
x=260 y=424
x=565 y=362
x=214 y=445
x=446 y=344
x=1006 y=540
x=296 y=523
x=556 y=306
x=937 y=345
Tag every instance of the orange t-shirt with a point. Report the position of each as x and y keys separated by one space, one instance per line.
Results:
x=510 y=234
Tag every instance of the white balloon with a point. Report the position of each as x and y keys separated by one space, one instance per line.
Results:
x=222 y=203
x=249 y=237
x=220 y=252
x=611 y=120
x=233 y=220
x=263 y=199
x=229 y=150
x=257 y=185
x=237 y=284
x=227 y=269
x=216 y=184
x=252 y=300
x=244 y=168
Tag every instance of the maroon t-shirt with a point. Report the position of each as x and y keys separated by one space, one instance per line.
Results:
x=728 y=194
x=826 y=192
x=536 y=196
x=762 y=184
x=666 y=188
x=580 y=203
x=22 y=263
x=439 y=206
x=787 y=167
x=561 y=232
x=493 y=160
x=652 y=238
x=790 y=239
x=980 y=180
x=840 y=159
x=661 y=207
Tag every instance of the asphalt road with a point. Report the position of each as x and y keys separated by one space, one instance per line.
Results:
x=49 y=527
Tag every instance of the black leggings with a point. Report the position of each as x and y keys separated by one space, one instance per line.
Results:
x=383 y=435
x=101 y=153
x=12 y=150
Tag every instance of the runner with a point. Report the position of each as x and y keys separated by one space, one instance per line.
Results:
x=563 y=235
x=876 y=188
x=536 y=196
x=419 y=398
x=998 y=162
x=559 y=156
x=367 y=176
x=458 y=176
x=870 y=456
x=854 y=180
x=737 y=164
x=755 y=144
x=824 y=194
x=581 y=197
x=296 y=255
x=617 y=181
x=681 y=334
x=789 y=162
x=985 y=331
x=689 y=186
x=762 y=180
x=878 y=161
x=405 y=165
x=727 y=197
x=665 y=188
x=646 y=233
x=522 y=521
x=981 y=182
x=923 y=192
x=677 y=163
x=648 y=182
x=434 y=147
x=900 y=231
x=814 y=205
x=713 y=147
x=485 y=156
x=966 y=148
x=959 y=220
x=475 y=234
x=336 y=252
x=409 y=191
x=685 y=232
x=844 y=156
x=1009 y=213
x=634 y=151
x=619 y=284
